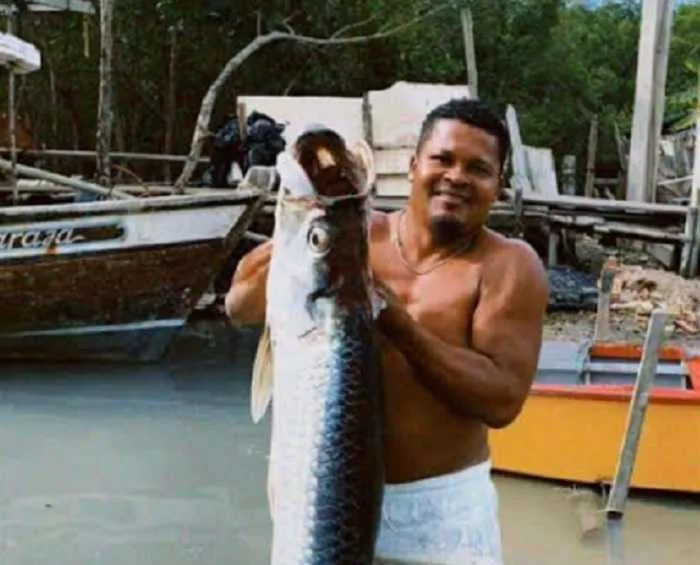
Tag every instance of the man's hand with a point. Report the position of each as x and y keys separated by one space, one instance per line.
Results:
x=382 y=297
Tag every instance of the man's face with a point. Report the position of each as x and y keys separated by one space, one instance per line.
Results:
x=456 y=175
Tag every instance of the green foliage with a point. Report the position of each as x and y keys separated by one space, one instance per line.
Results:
x=556 y=61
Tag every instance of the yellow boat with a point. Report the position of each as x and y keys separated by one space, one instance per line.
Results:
x=573 y=422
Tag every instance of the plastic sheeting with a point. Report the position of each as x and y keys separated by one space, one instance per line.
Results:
x=21 y=56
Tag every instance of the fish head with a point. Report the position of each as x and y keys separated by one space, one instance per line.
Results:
x=320 y=263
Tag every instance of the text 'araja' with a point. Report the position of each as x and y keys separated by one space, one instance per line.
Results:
x=37 y=238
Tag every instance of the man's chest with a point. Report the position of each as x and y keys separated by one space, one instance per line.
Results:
x=442 y=300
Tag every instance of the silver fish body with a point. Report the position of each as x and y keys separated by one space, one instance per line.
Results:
x=326 y=463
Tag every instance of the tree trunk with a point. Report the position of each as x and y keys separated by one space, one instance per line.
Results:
x=171 y=102
x=104 y=112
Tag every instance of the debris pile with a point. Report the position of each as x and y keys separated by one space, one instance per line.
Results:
x=638 y=291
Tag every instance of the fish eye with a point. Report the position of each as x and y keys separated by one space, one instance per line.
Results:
x=319 y=239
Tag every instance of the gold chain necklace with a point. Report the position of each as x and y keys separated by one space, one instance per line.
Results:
x=396 y=239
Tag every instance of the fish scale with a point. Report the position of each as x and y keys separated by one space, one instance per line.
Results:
x=324 y=425
x=318 y=362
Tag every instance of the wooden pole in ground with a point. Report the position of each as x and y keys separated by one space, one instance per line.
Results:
x=104 y=112
x=691 y=247
x=11 y=113
x=469 y=51
x=635 y=418
x=652 y=63
x=602 y=320
x=171 y=101
x=590 y=162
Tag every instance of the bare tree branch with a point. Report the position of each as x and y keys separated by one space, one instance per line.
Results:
x=205 y=112
x=347 y=28
x=287 y=25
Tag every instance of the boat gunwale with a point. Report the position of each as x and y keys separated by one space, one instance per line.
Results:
x=140 y=204
x=617 y=393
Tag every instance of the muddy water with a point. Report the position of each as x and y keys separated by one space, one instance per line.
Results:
x=162 y=465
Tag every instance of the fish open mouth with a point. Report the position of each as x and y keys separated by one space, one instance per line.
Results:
x=334 y=169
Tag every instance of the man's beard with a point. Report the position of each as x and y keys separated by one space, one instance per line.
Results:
x=447 y=231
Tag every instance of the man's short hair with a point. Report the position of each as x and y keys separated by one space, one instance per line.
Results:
x=471 y=112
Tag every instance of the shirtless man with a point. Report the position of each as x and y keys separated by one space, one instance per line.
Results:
x=461 y=336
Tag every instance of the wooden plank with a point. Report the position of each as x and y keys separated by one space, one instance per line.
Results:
x=66 y=181
x=542 y=170
x=521 y=177
x=583 y=203
x=577 y=220
x=639 y=232
x=635 y=418
x=80 y=6
x=398 y=111
x=85 y=154
x=392 y=161
x=396 y=186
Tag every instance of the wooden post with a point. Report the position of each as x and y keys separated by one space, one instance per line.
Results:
x=518 y=210
x=652 y=63
x=469 y=51
x=552 y=246
x=171 y=102
x=691 y=247
x=621 y=144
x=104 y=112
x=11 y=114
x=241 y=118
x=519 y=162
x=568 y=175
x=637 y=411
x=602 y=320
x=592 y=152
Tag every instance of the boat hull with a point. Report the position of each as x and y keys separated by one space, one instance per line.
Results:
x=115 y=283
x=574 y=433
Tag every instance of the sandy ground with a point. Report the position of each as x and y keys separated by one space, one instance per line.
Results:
x=628 y=328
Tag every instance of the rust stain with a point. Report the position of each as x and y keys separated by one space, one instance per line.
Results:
x=109 y=288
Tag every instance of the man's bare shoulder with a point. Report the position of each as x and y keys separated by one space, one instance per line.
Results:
x=256 y=258
x=379 y=226
x=516 y=259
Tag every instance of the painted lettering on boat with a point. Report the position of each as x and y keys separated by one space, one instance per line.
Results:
x=55 y=237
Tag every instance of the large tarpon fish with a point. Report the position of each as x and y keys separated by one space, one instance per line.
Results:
x=317 y=361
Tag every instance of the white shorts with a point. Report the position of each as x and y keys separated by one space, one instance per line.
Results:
x=446 y=520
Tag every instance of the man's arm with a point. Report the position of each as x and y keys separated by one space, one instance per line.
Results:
x=246 y=299
x=491 y=379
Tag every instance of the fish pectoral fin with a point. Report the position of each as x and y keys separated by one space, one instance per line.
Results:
x=261 y=387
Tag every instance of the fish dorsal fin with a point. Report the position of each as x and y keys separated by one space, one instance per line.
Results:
x=261 y=387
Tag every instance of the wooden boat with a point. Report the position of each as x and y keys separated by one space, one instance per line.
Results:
x=572 y=425
x=112 y=279
x=116 y=276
